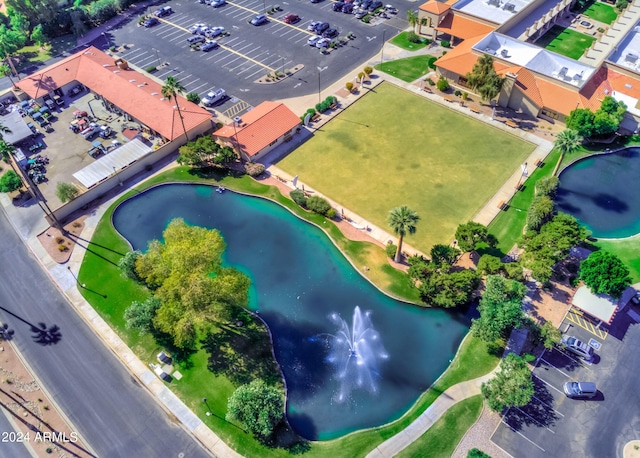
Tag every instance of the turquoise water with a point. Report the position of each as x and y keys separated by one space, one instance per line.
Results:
x=298 y=279
x=602 y=192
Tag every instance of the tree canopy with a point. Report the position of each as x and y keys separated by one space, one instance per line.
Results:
x=10 y=181
x=500 y=308
x=439 y=285
x=512 y=386
x=403 y=221
x=483 y=78
x=186 y=274
x=568 y=141
x=604 y=121
x=257 y=407
x=205 y=151
x=604 y=273
x=472 y=234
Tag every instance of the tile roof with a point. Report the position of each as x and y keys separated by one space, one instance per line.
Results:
x=261 y=126
x=462 y=58
x=433 y=6
x=131 y=91
x=461 y=27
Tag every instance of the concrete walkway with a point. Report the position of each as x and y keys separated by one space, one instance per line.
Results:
x=451 y=396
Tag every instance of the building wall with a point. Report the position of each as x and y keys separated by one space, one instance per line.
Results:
x=520 y=102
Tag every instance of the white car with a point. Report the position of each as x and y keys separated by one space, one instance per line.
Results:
x=209 y=45
x=214 y=97
x=195 y=28
x=577 y=347
x=312 y=25
x=313 y=40
x=323 y=43
x=214 y=32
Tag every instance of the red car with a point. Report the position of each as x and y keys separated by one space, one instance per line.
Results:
x=291 y=18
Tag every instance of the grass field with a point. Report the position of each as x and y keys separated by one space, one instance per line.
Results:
x=401 y=41
x=394 y=148
x=565 y=41
x=442 y=438
x=408 y=69
x=627 y=250
x=601 y=12
x=36 y=55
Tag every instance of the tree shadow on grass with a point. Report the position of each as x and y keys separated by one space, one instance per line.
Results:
x=181 y=356
x=214 y=173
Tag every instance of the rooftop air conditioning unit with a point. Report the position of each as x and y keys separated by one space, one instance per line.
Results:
x=237 y=121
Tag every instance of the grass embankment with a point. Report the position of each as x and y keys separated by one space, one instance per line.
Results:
x=402 y=41
x=100 y=274
x=408 y=69
x=567 y=42
x=601 y=12
x=453 y=166
x=443 y=437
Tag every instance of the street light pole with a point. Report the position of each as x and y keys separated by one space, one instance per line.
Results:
x=204 y=401
x=157 y=55
x=283 y=66
x=106 y=39
x=382 y=49
x=116 y=174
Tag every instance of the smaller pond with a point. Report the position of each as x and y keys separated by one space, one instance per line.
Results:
x=602 y=192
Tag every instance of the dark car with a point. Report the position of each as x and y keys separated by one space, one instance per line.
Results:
x=259 y=20
x=375 y=5
x=291 y=18
x=321 y=27
x=366 y=4
x=337 y=6
x=330 y=33
x=150 y=22
x=163 y=11
x=347 y=8
x=315 y=1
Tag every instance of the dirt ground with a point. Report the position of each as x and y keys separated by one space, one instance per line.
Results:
x=32 y=412
x=59 y=245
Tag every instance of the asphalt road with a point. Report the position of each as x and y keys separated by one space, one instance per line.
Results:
x=249 y=51
x=9 y=444
x=112 y=412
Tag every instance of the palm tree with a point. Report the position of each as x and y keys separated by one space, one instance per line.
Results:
x=5 y=70
x=171 y=89
x=412 y=18
x=403 y=221
x=568 y=141
x=4 y=130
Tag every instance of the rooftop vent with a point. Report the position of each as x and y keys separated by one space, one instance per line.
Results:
x=154 y=93
x=237 y=121
x=116 y=71
x=132 y=81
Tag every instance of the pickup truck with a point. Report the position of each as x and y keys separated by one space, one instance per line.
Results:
x=90 y=131
x=214 y=97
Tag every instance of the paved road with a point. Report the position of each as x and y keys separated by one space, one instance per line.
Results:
x=112 y=412
x=8 y=444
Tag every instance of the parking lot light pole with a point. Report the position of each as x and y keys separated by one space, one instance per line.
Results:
x=264 y=6
x=283 y=65
x=106 y=39
x=157 y=55
x=384 y=32
x=204 y=401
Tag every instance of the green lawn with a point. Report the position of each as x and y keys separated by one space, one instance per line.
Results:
x=566 y=42
x=401 y=40
x=394 y=148
x=408 y=69
x=601 y=12
x=101 y=277
x=35 y=55
x=627 y=250
x=442 y=438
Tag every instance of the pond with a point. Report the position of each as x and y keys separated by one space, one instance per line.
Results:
x=314 y=302
x=601 y=192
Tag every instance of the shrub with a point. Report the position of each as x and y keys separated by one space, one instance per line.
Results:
x=413 y=37
x=431 y=82
x=465 y=95
x=361 y=76
x=331 y=213
x=442 y=84
x=390 y=250
x=310 y=111
x=318 y=205
x=66 y=191
x=349 y=86
x=299 y=197
x=457 y=93
x=431 y=62
x=621 y=5
x=62 y=248
x=193 y=97
x=600 y=29
x=547 y=186
x=254 y=169
x=445 y=44
x=59 y=240
x=489 y=265
x=127 y=266
x=150 y=69
x=366 y=19
x=112 y=48
x=10 y=181
x=368 y=70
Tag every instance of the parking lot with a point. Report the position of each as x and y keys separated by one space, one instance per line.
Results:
x=553 y=425
x=249 y=52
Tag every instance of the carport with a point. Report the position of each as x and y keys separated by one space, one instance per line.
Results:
x=602 y=307
x=117 y=160
x=19 y=129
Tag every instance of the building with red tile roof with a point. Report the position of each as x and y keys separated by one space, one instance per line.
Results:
x=260 y=130
x=133 y=92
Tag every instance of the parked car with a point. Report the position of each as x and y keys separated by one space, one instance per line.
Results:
x=163 y=11
x=337 y=6
x=636 y=298
x=195 y=28
x=375 y=5
x=360 y=13
x=577 y=347
x=347 y=8
x=313 y=40
x=214 y=32
x=315 y=1
x=580 y=389
x=390 y=9
x=90 y=131
x=321 y=27
x=218 y=3
x=195 y=39
x=214 y=97
x=209 y=45
x=259 y=20
x=312 y=25
x=323 y=43
x=330 y=33
x=366 y=4
x=291 y=18
x=150 y=22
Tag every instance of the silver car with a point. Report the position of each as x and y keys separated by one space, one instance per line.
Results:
x=577 y=347
x=580 y=389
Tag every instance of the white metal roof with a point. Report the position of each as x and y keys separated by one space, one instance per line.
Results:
x=600 y=306
x=113 y=162
x=19 y=129
x=496 y=11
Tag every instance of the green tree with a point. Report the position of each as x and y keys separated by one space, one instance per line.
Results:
x=257 y=407
x=604 y=273
x=449 y=289
x=489 y=265
x=444 y=253
x=500 y=309
x=403 y=221
x=580 y=120
x=550 y=335
x=38 y=36
x=318 y=205
x=19 y=22
x=10 y=41
x=10 y=181
x=547 y=186
x=6 y=149
x=442 y=84
x=298 y=197
x=127 y=265
x=66 y=191
x=483 y=78
x=540 y=212
x=512 y=386
x=193 y=97
x=472 y=234
x=568 y=141
x=140 y=315
x=5 y=70
x=172 y=87
x=36 y=12
x=413 y=19
x=476 y=453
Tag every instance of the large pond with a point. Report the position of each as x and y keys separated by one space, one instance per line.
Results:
x=303 y=287
x=602 y=192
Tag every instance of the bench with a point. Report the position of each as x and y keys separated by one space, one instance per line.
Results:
x=502 y=204
x=315 y=117
x=510 y=123
x=449 y=99
x=427 y=89
x=475 y=110
x=538 y=162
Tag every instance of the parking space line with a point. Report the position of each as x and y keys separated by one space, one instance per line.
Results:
x=304 y=38
x=551 y=407
x=254 y=73
x=539 y=424
x=551 y=365
x=578 y=318
x=546 y=383
x=522 y=435
x=241 y=64
x=278 y=21
x=195 y=89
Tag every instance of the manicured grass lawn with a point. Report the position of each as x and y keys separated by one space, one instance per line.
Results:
x=627 y=250
x=401 y=41
x=394 y=148
x=35 y=55
x=101 y=276
x=442 y=438
x=601 y=12
x=566 y=42
x=408 y=69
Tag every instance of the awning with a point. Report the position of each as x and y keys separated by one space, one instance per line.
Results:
x=113 y=162
x=19 y=129
x=600 y=306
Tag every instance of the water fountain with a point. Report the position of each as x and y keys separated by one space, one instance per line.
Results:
x=355 y=352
